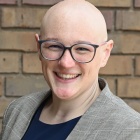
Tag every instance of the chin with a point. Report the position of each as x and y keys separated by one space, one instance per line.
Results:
x=64 y=94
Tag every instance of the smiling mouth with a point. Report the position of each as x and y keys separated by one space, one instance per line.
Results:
x=67 y=76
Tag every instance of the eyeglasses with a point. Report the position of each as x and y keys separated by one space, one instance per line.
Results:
x=80 y=52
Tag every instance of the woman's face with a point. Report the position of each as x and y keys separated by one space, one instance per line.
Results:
x=66 y=77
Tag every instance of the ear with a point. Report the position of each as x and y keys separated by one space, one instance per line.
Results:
x=107 y=51
x=38 y=46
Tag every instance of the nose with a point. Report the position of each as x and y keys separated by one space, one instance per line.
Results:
x=66 y=60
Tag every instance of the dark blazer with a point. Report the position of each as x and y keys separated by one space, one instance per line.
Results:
x=108 y=118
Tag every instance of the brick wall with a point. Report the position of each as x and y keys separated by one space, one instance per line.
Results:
x=20 y=69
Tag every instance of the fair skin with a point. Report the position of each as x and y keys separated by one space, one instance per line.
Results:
x=74 y=85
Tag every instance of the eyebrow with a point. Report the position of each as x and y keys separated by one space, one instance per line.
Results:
x=79 y=41
x=56 y=39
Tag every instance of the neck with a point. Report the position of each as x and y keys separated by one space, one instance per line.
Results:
x=65 y=110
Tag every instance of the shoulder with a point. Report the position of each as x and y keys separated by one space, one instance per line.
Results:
x=130 y=131
x=19 y=113
x=25 y=103
x=111 y=116
x=116 y=105
x=114 y=114
x=127 y=120
x=122 y=114
x=120 y=109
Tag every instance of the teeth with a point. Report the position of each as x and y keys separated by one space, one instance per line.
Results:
x=67 y=76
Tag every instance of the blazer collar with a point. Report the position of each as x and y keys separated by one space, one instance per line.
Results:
x=93 y=116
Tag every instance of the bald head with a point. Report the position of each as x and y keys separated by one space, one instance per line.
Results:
x=72 y=16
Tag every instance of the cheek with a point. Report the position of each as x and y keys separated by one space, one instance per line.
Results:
x=46 y=65
x=98 y=59
x=46 y=69
x=92 y=69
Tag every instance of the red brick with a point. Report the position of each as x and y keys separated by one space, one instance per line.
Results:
x=118 y=65
x=4 y=104
x=137 y=70
x=14 y=40
x=22 y=17
x=135 y=104
x=31 y=63
x=7 y=1
x=1 y=85
x=126 y=43
x=137 y=3
x=128 y=20
x=9 y=62
x=111 y=3
x=129 y=87
x=108 y=14
x=41 y=2
x=23 y=85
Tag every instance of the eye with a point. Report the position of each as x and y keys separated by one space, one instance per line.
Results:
x=82 y=49
x=53 y=47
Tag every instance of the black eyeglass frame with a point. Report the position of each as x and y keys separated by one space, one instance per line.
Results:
x=69 y=48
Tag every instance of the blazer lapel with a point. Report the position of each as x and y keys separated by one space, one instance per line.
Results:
x=91 y=120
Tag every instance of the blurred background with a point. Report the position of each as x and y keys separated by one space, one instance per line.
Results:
x=20 y=69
